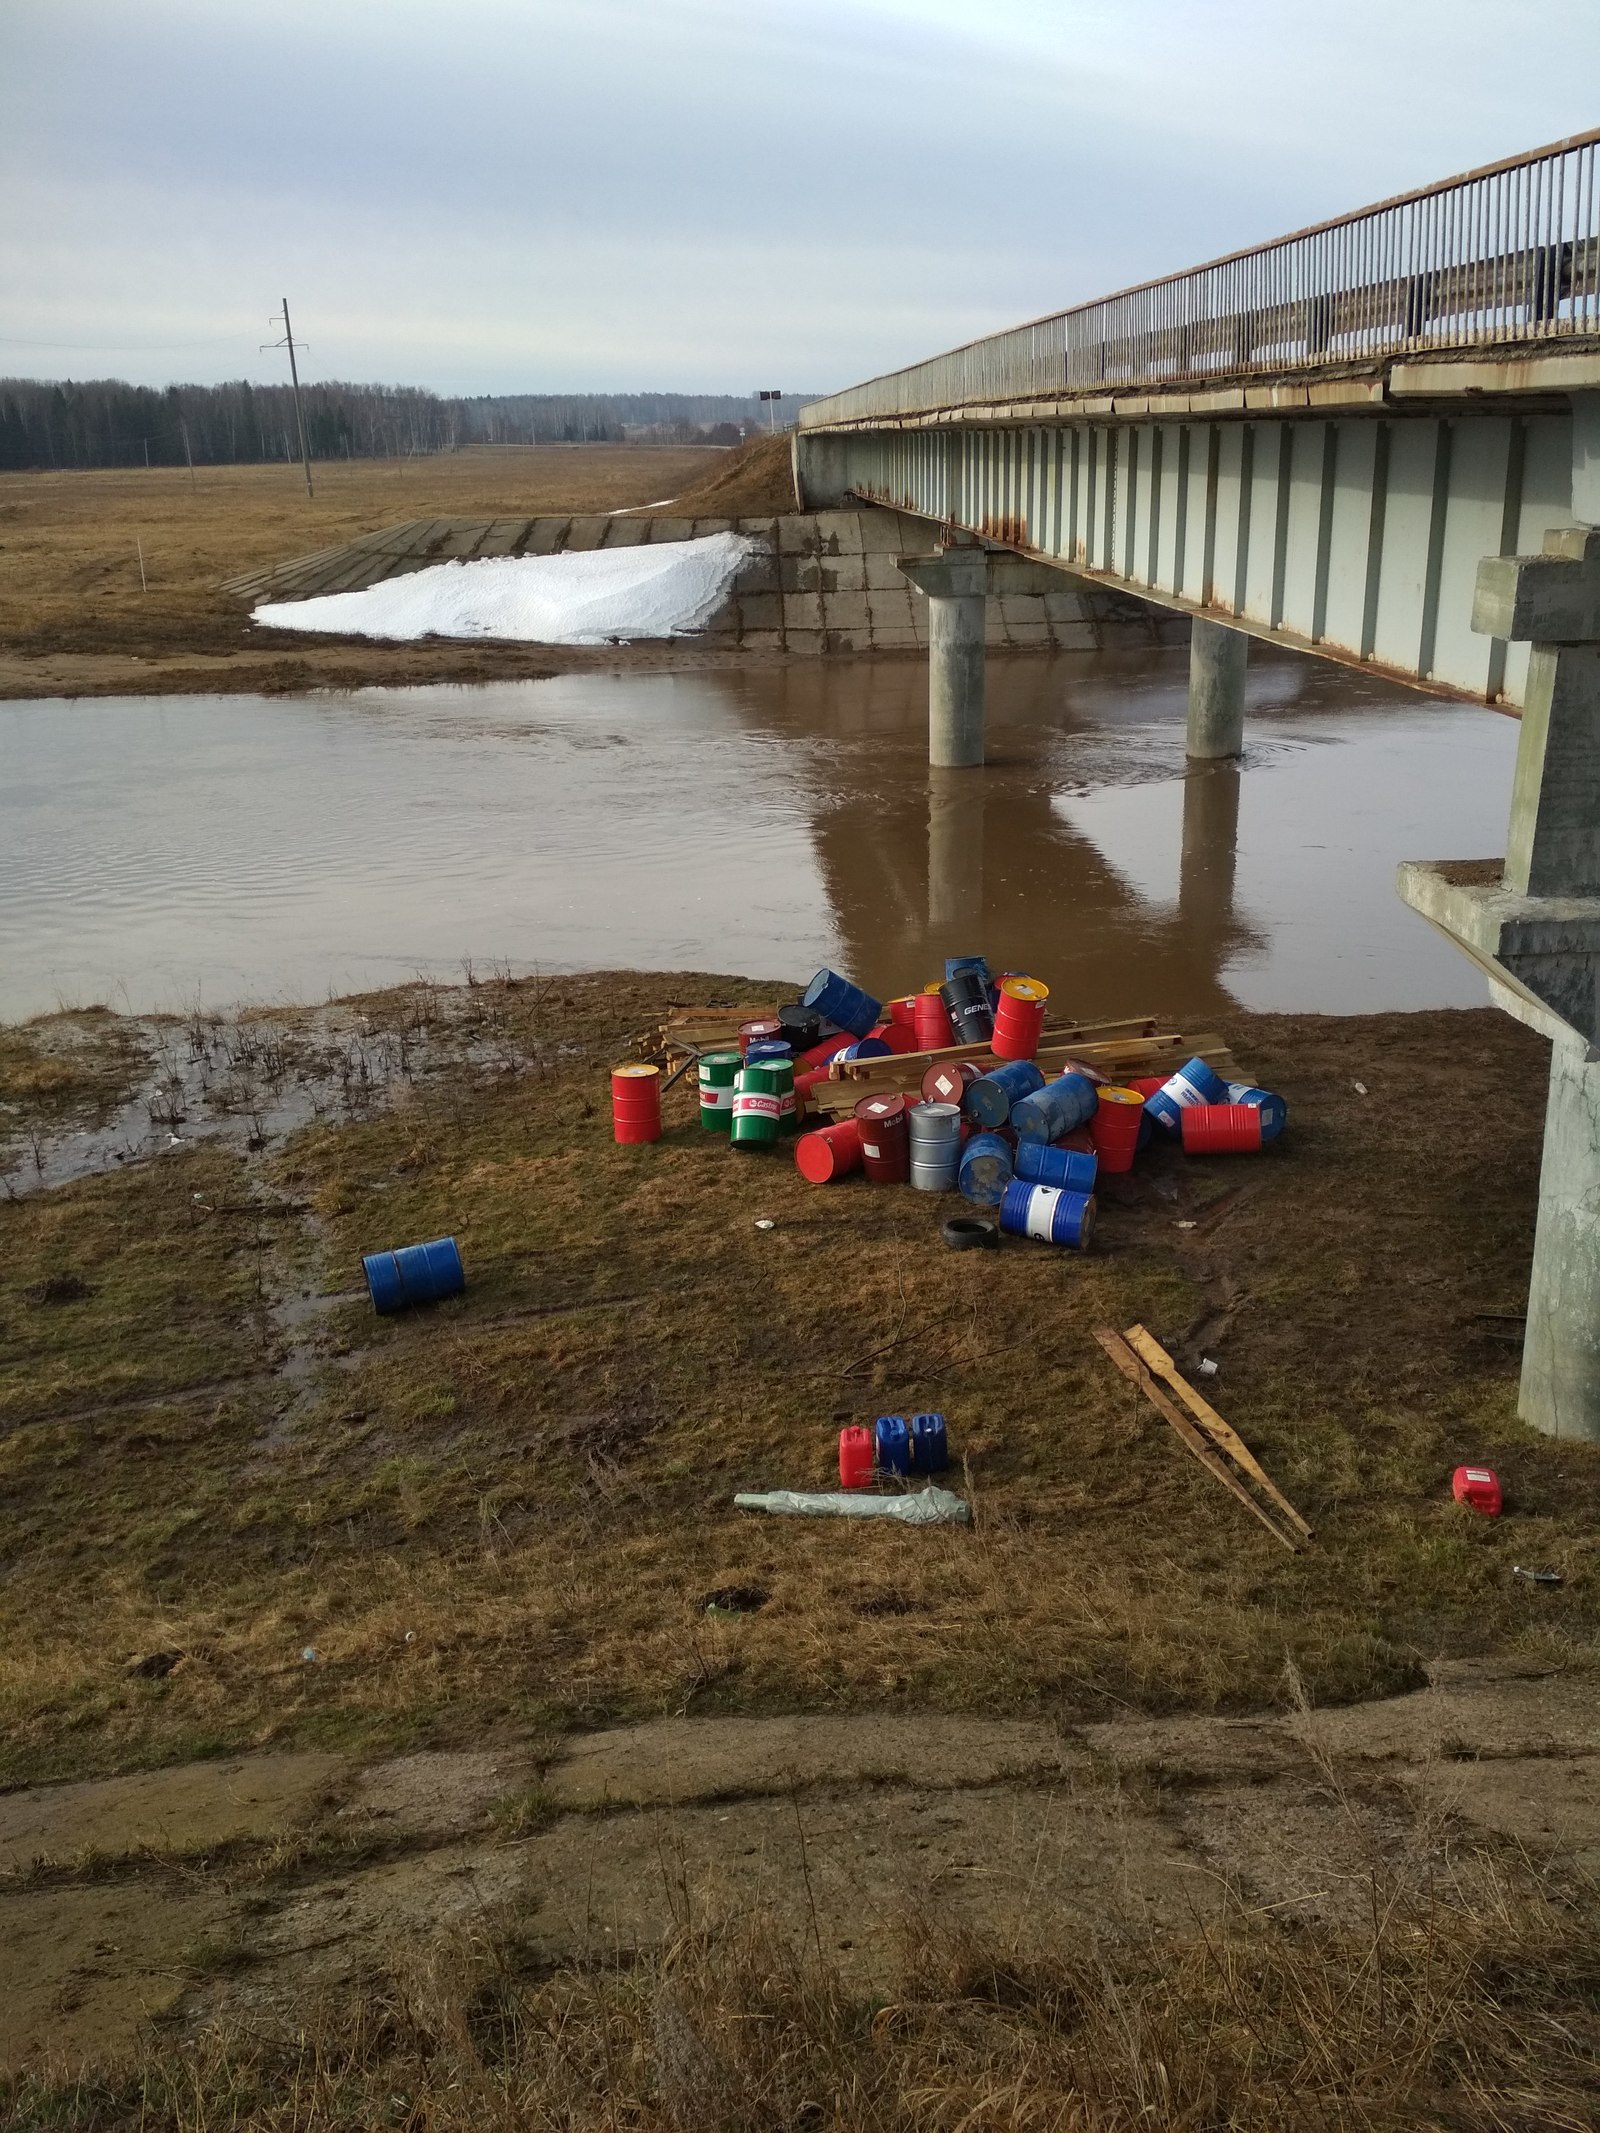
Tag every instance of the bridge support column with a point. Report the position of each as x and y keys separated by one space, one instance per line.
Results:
x=1536 y=931
x=956 y=583
x=1218 y=657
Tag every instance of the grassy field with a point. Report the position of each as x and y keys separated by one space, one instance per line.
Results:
x=505 y=1515
x=70 y=544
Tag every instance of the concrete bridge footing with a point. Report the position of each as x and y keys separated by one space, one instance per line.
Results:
x=956 y=583
x=1218 y=657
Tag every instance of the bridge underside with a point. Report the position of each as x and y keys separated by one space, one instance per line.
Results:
x=1354 y=536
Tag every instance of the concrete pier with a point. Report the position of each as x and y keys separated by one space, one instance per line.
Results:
x=956 y=583
x=1218 y=657
x=1560 y=1391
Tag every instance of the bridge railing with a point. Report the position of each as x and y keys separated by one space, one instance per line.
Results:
x=1505 y=255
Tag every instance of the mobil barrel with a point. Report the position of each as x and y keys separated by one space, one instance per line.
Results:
x=829 y=1152
x=930 y=1022
x=949 y=1081
x=1274 y=1111
x=1038 y=1163
x=636 y=1102
x=1194 y=1083
x=719 y=1071
x=1049 y=1213
x=885 y=1139
x=935 y=1147
x=758 y=1103
x=1057 y=1109
x=966 y=996
x=415 y=1274
x=986 y=1169
x=751 y=1032
x=838 y=1001
x=988 y=1102
x=1116 y=1126
x=1019 y=1018
x=1220 y=1129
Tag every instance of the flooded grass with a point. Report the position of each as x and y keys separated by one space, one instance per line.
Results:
x=505 y=1513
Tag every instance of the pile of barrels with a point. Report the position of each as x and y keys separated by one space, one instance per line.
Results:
x=999 y=1132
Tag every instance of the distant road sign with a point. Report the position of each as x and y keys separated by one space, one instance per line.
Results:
x=769 y=396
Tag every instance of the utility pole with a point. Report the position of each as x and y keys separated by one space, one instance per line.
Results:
x=294 y=380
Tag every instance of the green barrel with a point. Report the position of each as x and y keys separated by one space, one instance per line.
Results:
x=788 y=1103
x=719 y=1074
x=758 y=1102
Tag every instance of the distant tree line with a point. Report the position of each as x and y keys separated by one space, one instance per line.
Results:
x=103 y=422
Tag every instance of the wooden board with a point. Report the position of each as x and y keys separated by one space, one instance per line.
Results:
x=1156 y=1359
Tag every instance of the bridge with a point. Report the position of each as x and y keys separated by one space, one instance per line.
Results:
x=1377 y=441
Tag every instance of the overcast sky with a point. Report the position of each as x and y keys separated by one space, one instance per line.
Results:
x=714 y=195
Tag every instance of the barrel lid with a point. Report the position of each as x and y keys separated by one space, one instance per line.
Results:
x=636 y=1070
x=942 y=1111
x=888 y=1106
x=1110 y=1095
x=1024 y=989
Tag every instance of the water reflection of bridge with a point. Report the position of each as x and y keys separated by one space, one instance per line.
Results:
x=918 y=863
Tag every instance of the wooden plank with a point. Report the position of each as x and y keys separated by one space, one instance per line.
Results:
x=1112 y=1060
x=1136 y=1372
x=1150 y=1352
x=1064 y=1036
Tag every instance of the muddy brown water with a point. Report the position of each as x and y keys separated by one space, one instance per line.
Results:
x=158 y=852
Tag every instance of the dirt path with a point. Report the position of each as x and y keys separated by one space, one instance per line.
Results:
x=253 y=1884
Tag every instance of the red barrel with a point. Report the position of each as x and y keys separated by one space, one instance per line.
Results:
x=828 y=1153
x=885 y=1139
x=898 y=1036
x=1114 y=1129
x=902 y=1011
x=949 y=1082
x=768 y=1026
x=636 y=1103
x=1147 y=1084
x=1221 y=1129
x=1019 y=1018
x=931 y=1023
x=829 y=1048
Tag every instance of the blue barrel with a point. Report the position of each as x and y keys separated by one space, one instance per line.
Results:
x=415 y=1274
x=930 y=1448
x=1048 y=1213
x=989 y=1099
x=894 y=1445
x=986 y=1169
x=837 y=1000
x=768 y=1048
x=1070 y=1168
x=1274 y=1111
x=867 y=1048
x=1194 y=1083
x=953 y=963
x=1056 y=1110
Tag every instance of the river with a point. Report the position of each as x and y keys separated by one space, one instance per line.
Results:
x=159 y=852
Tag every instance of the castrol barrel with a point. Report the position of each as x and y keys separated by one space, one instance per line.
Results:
x=719 y=1071
x=1019 y=1018
x=636 y=1102
x=758 y=1103
x=885 y=1139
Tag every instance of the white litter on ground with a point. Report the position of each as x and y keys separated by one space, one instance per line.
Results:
x=591 y=596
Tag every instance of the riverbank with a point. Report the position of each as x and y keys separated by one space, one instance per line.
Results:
x=416 y=1572
x=112 y=580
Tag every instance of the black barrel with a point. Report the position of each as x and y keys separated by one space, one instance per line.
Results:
x=967 y=999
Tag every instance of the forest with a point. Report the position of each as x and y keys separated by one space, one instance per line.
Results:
x=104 y=422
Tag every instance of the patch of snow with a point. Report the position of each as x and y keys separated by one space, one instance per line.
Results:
x=591 y=596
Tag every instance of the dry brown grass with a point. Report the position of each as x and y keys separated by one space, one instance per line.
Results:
x=70 y=543
x=506 y=1514
x=1441 y=2014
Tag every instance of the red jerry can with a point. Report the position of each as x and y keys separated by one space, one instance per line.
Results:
x=855 y=1457
x=1478 y=1486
